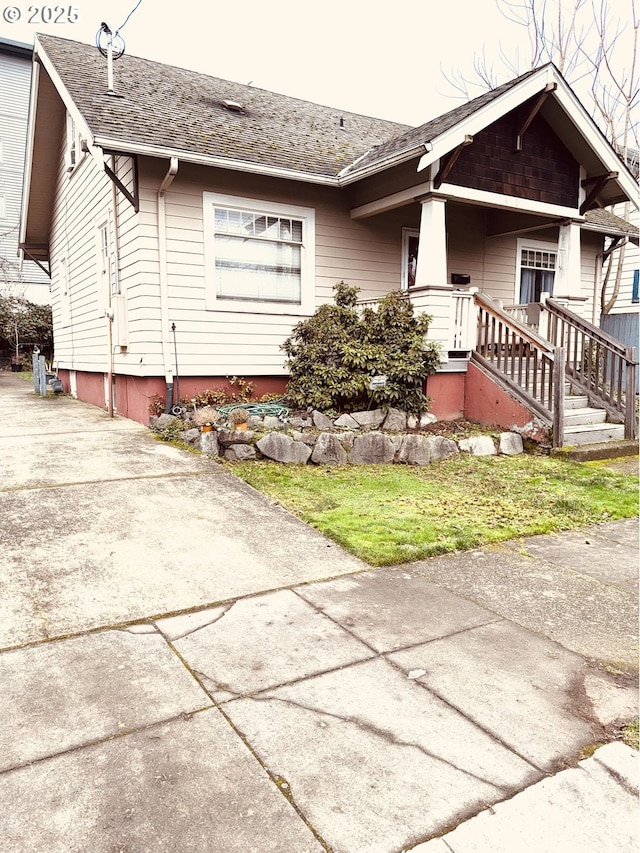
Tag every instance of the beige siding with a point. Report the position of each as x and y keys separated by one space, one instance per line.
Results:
x=82 y=200
x=365 y=254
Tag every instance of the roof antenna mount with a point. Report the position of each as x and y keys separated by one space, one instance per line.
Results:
x=112 y=46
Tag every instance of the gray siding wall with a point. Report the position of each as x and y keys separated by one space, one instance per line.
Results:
x=15 y=79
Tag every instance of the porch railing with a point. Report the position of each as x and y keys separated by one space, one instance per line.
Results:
x=528 y=365
x=597 y=364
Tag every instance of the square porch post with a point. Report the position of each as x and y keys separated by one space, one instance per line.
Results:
x=433 y=293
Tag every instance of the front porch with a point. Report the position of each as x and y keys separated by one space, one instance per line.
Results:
x=539 y=366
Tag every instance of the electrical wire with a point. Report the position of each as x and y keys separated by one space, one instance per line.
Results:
x=128 y=16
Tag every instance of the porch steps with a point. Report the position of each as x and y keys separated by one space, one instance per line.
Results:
x=590 y=433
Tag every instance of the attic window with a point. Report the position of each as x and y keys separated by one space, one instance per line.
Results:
x=234 y=106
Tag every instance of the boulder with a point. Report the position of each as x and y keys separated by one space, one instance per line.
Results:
x=478 y=445
x=321 y=421
x=346 y=439
x=328 y=450
x=309 y=438
x=272 y=422
x=191 y=436
x=414 y=450
x=371 y=419
x=372 y=449
x=240 y=453
x=236 y=436
x=346 y=422
x=209 y=443
x=396 y=421
x=282 y=448
x=164 y=420
x=441 y=447
x=300 y=422
x=510 y=444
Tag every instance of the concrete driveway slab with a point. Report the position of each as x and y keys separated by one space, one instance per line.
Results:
x=592 y=808
x=609 y=560
x=540 y=683
x=261 y=642
x=596 y=620
x=374 y=760
x=100 y=554
x=186 y=786
x=95 y=457
x=391 y=608
x=77 y=691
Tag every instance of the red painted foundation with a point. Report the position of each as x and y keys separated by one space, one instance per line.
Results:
x=472 y=395
x=488 y=403
x=134 y=395
x=447 y=392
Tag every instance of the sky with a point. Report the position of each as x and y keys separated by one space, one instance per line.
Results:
x=378 y=58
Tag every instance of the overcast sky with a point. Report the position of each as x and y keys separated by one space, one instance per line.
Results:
x=384 y=59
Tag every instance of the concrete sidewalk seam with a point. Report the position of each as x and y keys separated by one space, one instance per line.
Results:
x=183 y=715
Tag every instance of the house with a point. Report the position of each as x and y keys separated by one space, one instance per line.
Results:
x=190 y=222
x=15 y=75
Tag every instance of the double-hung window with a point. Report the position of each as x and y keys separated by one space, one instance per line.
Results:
x=259 y=255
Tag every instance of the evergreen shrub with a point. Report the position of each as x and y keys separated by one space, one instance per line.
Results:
x=333 y=356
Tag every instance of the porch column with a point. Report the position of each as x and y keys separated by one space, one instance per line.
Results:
x=432 y=293
x=567 y=284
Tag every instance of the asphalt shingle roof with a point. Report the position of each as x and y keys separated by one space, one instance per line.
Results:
x=168 y=107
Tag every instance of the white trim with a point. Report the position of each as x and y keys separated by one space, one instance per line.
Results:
x=3 y=207
x=536 y=246
x=82 y=128
x=390 y=202
x=507 y=202
x=407 y=234
x=308 y=255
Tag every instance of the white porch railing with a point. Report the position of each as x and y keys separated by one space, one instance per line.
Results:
x=464 y=318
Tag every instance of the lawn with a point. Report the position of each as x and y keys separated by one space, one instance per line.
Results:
x=393 y=514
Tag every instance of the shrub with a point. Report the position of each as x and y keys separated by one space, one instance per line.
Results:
x=333 y=355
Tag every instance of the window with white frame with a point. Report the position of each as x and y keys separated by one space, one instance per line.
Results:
x=537 y=264
x=259 y=255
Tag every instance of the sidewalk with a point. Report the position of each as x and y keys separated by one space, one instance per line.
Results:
x=186 y=667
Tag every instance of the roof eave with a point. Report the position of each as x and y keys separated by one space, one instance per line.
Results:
x=107 y=143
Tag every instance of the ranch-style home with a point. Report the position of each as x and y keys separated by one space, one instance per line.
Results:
x=188 y=223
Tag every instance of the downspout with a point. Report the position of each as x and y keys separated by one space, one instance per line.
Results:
x=113 y=272
x=164 y=284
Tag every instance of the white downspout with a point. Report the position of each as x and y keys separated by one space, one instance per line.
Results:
x=164 y=284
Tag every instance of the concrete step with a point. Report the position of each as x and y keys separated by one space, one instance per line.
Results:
x=599 y=450
x=590 y=433
x=576 y=401
x=584 y=415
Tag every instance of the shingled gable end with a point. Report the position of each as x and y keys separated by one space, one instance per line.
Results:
x=231 y=212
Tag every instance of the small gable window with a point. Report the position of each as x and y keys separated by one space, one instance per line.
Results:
x=259 y=255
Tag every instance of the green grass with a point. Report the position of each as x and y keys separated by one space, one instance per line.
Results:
x=393 y=514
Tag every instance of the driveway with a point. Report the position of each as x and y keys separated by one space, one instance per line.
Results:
x=186 y=667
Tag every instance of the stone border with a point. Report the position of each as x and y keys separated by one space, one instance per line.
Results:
x=360 y=438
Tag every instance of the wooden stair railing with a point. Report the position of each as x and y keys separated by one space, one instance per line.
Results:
x=600 y=366
x=528 y=365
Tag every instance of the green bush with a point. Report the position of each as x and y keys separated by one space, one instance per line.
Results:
x=333 y=355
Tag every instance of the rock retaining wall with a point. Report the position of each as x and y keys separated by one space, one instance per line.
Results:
x=360 y=438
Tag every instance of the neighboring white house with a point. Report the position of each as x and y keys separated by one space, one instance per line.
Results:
x=15 y=77
x=229 y=212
